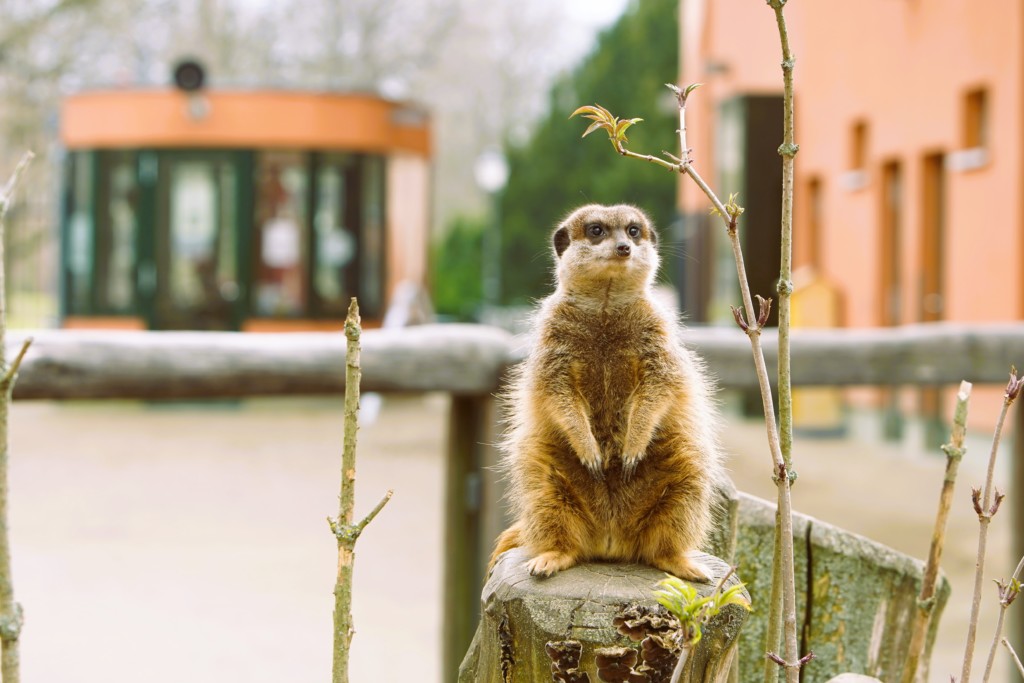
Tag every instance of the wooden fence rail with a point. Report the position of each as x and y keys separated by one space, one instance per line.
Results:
x=468 y=361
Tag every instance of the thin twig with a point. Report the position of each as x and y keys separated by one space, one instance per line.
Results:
x=773 y=631
x=351 y=532
x=11 y=616
x=788 y=151
x=986 y=509
x=677 y=672
x=342 y=527
x=653 y=159
x=954 y=451
x=1007 y=594
x=12 y=372
x=1013 y=654
x=721 y=584
x=782 y=478
x=7 y=197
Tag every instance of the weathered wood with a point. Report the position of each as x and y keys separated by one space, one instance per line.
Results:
x=465 y=546
x=521 y=614
x=469 y=359
x=66 y=364
x=925 y=354
x=855 y=615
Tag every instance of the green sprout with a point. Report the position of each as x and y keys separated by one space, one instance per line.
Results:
x=602 y=118
x=693 y=611
x=732 y=209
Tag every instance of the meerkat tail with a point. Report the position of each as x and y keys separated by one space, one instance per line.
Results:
x=508 y=540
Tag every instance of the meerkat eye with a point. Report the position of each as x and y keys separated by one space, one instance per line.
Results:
x=633 y=231
x=595 y=230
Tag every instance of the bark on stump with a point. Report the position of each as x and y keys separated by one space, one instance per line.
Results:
x=855 y=598
x=523 y=614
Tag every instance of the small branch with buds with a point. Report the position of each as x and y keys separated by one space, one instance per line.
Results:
x=985 y=506
x=764 y=310
x=954 y=451
x=782 y=662
x=1013 y=655
x=1008 y=591
x=342 y=527
x=11 y=614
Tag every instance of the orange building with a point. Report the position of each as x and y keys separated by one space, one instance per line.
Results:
x=251 y=210
x=910 y=121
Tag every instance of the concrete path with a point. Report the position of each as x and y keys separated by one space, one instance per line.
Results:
x=189 y=543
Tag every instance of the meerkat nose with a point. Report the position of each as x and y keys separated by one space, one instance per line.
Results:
x=622 y=249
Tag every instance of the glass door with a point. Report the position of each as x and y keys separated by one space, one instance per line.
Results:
x=196 y=243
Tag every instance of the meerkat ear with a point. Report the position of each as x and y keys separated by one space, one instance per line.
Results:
x=561 y=240
x=653 y=233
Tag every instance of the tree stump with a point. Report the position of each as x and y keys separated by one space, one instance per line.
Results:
x=536 y=629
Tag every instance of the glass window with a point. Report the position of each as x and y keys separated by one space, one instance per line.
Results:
x=281 y=234
x=348 y=235
x=116 y=233
x=193 y=233
x=372 y=252
x=335 y=235
x=78 y=248
x=859 y=145
x=195 y=243
x=976 y=114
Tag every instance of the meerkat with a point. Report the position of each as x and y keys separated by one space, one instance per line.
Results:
x=611 y=449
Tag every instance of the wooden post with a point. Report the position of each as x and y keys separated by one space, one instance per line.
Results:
x=470 y=426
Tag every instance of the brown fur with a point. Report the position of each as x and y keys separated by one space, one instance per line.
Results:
x=611 y=451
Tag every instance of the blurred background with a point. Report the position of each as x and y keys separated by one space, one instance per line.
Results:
x=250 y=165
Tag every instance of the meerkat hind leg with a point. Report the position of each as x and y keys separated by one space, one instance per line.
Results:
x=685 y=567
x=551 y=562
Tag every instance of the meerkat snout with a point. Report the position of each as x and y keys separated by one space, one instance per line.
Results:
x=622 y=249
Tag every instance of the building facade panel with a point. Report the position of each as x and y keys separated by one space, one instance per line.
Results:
x=251 y=211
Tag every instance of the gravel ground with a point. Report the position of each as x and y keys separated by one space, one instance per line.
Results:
x=189 y=542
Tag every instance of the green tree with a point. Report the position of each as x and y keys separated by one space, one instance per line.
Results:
x=554 y=171
x=456 y=266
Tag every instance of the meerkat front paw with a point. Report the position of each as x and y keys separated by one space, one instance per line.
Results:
x=550 y=562
x=686 y=568
x=594 y=463
x=630 y=463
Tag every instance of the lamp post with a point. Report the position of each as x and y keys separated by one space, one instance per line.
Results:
x=491 y=173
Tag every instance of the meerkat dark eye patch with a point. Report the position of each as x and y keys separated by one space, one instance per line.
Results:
x=561 y=240
x=594 y=230
x=633 y=230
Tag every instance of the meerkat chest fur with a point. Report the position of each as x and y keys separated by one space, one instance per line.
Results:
x=606 y=356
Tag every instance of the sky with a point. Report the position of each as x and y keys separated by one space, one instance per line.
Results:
x=588 y=17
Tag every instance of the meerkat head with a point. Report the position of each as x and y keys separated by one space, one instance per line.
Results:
x=596 y=244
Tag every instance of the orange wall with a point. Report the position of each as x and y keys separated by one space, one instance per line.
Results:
x=408 y=211
x=161 y=118
x=908 y=82
x=903 y=67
